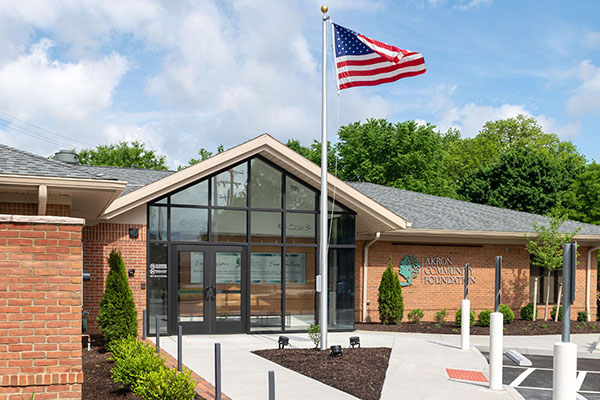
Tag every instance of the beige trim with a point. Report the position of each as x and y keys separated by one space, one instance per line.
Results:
x=279 y=154
x=18 y=181
x=462 y=236
x=42 y=199
x=38 y=219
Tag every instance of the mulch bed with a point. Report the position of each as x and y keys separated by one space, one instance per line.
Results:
x=359 y=371
x=97 y=383
x=516 y=328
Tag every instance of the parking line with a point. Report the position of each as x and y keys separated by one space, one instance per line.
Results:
x=580 y=379
x=519 y=379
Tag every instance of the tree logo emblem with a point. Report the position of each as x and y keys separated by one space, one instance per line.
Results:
x=409 y=269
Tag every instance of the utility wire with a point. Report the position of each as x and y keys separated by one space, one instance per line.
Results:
x=10 y=127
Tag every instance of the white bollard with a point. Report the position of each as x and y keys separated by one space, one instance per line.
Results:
x=465 y=324
x=564 y=375
x=496 y=350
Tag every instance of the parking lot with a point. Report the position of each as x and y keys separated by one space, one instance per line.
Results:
x=535 y=382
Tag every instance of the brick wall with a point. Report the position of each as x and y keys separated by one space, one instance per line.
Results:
x=98 y=241
x=432 y=298
x=40 y=307
x=58 y=210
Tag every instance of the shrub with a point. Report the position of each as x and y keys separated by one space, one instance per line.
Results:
x=458 y=317
x=484 y=318
x=133 y=360
x=553 y=313
x=416 y=315
x=391 y=305
x=527 y=312
x=314 y=334
x=582 y=316
x=117 y=317
x=166 y=384
x=507 y=312
x=440 y=317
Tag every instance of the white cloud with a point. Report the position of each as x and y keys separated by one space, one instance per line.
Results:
x=586 y=100
x=473 y=4
x=591 y=40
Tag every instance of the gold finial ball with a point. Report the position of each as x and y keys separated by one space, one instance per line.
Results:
x=324 y=9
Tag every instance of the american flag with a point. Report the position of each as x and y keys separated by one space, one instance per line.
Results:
x=362 y=61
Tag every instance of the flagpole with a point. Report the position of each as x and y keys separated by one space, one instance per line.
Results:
x=323 y=225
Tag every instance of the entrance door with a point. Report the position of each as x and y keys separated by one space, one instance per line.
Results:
x=210 y=288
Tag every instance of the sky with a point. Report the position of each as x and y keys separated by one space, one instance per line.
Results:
x=185 y=75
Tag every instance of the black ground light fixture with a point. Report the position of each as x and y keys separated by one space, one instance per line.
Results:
x=336 y=350
x=354 y=341
x=131 y=272
x=283 y=341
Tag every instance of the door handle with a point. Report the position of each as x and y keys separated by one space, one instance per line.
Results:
x=213 y=293
x=210 y=293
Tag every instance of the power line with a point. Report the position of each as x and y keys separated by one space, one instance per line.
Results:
x=9 y=126
x=40 y=135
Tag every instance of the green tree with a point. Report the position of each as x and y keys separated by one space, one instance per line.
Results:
x=391 y=304
x=117 y=317
x=204 y=154
x=124 y=154
x=500 y=137
x=582 y=200
x=523 y=179
x=546 y=247
x=404 y=155
x=313 y=153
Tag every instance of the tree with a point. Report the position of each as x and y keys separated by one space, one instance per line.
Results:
x=391 y=304
x=546 y=247
x=313 y=153
x=582 y=200
x=499 y=137
x=117 y=317
x=523 y=179
x=204 y=154
x=124 y=154
x=404 y=155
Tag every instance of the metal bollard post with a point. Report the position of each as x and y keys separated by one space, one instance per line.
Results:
x=271 y=385
x=157 y=335
x=217 y=371
x=144 y=325
x=179 y=347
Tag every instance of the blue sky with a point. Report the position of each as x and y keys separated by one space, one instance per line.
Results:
x=190 y=74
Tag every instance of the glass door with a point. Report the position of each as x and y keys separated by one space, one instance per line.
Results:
x=210 y=289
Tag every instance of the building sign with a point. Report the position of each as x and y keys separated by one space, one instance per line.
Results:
x=158 y=270
x=197 y=267
x=435 y=270
x=266 y=268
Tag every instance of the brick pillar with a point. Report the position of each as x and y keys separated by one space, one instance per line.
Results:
x=40 y=307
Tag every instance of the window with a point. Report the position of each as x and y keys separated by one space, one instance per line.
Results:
x=544 y=282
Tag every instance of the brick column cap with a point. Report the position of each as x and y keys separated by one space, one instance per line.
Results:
x=41 y=219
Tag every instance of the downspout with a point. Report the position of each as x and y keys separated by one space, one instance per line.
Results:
x=42 y=199
x=588 y=282
x=365 y=262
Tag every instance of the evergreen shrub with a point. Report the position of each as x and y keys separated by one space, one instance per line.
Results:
x=117 y=317
x=416 y=315
x=440 y=317
x=527 y=312
x=553 y=313
x=582 y=316
x=507 y=312
x=458 y=317
x=391 y=304
x=166 y=384
x=484 y=318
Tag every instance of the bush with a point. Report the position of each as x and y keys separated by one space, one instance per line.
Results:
x=507 y=312
x=527 y=312
x=133 y=360
x=553 y=313
x=416 y=315
x=117 y=317
x=440 y=317
x=458 y=318
x=582 y=316
x=484 y=318
x=391 y=305
x=314 y=334
x=166 y=384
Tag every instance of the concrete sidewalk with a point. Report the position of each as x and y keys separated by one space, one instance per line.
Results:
x=417 y=368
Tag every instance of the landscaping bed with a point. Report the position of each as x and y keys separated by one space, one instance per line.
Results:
x=97 y=383
x=359 y=371
x=516 y=328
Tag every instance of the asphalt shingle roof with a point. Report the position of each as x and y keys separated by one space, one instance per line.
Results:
x=434 y=212
x=19 y=162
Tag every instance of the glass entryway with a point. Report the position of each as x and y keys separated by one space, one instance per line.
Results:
x=210 y=288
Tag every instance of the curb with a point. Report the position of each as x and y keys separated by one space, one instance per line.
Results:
x=542 y=352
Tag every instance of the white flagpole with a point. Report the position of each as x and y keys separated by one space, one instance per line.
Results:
x=323 y=231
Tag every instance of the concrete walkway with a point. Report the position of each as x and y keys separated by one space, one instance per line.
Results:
x=417 y=368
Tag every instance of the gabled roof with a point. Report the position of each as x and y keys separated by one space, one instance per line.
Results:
x=371 y=216
x=426 y=212
x=135 y=177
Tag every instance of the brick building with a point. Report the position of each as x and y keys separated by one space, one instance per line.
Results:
x=230 y=245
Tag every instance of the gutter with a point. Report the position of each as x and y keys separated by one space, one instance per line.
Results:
x=588 y=280
x=365 y=262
